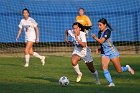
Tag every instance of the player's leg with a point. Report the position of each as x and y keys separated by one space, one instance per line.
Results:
x=90 y=66
x=27 y=54
x=75 y=59
x=35 y=54
x=89 y=62
x=117 y=65
x=105 y=62
x=93 y=71
x=119 y=69
x=31 y=52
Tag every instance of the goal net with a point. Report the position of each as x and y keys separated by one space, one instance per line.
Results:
x=55 y=16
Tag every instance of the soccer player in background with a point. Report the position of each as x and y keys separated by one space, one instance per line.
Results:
x=109 y=51
x=84 y=20
x=31 y=36
x=81 y=51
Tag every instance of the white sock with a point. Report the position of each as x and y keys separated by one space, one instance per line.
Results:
x=76 y=68
x=37 y=55
x=95 y=74
x=27 y=58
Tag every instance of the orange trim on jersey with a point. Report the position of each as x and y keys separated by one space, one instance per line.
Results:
x=111 y=46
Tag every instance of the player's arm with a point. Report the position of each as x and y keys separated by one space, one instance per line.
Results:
x=37 y=33
x=98 y=50
x=101 y=41
x=104 y=38
x=66 y=36
x=81 y=42
x=19 y=33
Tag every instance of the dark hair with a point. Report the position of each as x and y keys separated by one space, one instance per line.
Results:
x=104 y=21
x=81 y=8
x=25 y=9
x=79 y=25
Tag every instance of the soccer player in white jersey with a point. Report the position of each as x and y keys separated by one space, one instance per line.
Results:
x=30 y=27
x=81 y=51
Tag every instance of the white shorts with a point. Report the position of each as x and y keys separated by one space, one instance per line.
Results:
x=31 y=38
x=85 y=56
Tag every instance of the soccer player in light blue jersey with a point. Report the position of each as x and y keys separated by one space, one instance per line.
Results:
x=109 y=51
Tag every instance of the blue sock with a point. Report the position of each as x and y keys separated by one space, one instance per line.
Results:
x=124 y=69
x=107 y=76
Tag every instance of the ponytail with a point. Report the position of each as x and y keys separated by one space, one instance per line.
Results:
x=109 y=26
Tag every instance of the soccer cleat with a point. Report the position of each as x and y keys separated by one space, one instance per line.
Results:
x=95 y=74
x=111 y=85
x=26 y=65
x=130 y=69
x=79 y=78
x=43 y=60
x=98 y=82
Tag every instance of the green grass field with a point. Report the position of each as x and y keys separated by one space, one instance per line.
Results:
x=14 y=78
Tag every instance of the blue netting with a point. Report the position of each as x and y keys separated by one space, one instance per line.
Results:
x=55 y=16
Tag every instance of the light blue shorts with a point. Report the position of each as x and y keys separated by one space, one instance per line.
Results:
x=111 y=55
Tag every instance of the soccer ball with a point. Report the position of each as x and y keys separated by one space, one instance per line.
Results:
x=63 y=81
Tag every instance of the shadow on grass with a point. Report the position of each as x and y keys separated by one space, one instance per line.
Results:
x=10 y=65
x=52 y=88
x=42 y=78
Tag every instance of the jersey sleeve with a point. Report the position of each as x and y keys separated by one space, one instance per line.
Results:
x=107 y=34
x=34 y=23
x=20 y=24
x=88 y=21
x=83 y=37
x=70 y=32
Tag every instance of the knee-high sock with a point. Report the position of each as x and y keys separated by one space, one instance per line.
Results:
x=95 y=74
x=27 y=58
x=76 y=68
x=107 y=76
x=37 y=55
x=124 y=69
